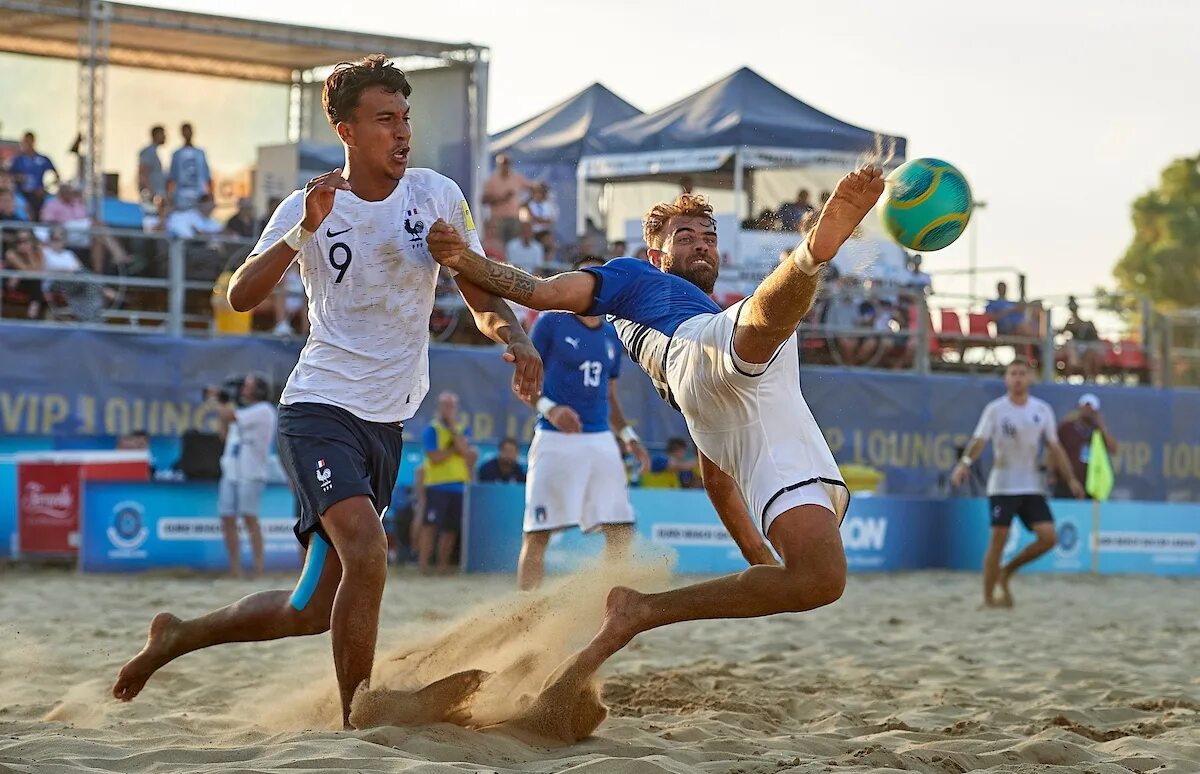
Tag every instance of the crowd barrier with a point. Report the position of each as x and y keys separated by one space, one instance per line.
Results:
x=131 y=527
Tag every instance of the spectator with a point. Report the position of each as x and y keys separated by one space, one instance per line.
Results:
x=619 y=249
x=152 y=182
x=243 y=223
x=29 y=168
x=1009 y=316
x=845 y=312
x=504 y=193
x=540 y=210
x=194 y=222
x=13 y=206
x=642 y=253
x=189 y=177
x=593 y=240
x=84 y=299
x=549 y=248
x=524 y=250
x=26 y=255
x=1083 y=354
x=272 y=205
x=68 y=209
x=686 y=184
x=503 y=468
x=667 y=471
x=290 y=303
x=793 y=214
x=1075 y=435
x=449 y=459
x=493 y=246
x=916 y=281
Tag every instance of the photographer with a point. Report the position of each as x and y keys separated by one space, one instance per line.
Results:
x=1075 y=434
x=248 y=431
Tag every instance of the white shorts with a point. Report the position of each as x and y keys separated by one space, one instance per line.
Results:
x=239 y=498
x=575 y=479
x=751 y=419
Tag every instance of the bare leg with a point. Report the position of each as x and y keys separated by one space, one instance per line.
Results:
x=425 y=547
x=357 y=534
x=531 y=567
x=256 y=543
x=1046 y=539
x=991 y=569
x=445 y=549
x=813 y=575
x=233 y=546
x=772 y=314
x=266 y=615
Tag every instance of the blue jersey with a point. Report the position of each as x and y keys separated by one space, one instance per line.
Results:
x=578 y=363
x=647 y=306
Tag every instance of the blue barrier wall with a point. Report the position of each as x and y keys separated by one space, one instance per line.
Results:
x=880 y=534
x=133 y=527
x=80 y=383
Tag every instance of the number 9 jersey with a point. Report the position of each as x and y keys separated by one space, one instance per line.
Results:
x=370 y=280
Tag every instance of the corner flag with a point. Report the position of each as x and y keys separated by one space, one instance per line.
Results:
x=1099 y=470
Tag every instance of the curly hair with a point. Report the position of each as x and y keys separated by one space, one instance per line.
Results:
x=346 y=83
x=686 y=205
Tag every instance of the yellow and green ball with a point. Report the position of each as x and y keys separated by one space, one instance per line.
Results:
x=927 y=204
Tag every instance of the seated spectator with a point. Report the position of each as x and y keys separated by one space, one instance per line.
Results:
x=12 y=204
x=619 y=249
x=84 y=298
x=66 y=208
x=243 y=223
x=540 y=210
x=1083 y=353
x=846 y=311
x=194 y=223
x=493 y=246
x=667 y=471
x=26 y=255
x=524 y=251
x=550 y=256
x=793 y=214
x=1009 y=316
x=503 y=468
x=593 y=240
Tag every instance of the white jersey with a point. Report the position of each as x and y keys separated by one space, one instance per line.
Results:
x=1016 y=433
x=248 y=443
x=370 y=277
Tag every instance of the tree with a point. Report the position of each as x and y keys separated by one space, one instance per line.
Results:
x=1163 y=262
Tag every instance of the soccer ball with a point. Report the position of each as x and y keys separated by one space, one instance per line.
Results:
x=927 y=204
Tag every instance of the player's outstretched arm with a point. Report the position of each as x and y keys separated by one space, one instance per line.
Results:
x=496 y=320
x=568 y=292
x=727 y=499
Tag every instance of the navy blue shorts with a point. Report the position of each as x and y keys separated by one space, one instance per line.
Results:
x=444 y=508
x=330 y=455
x=1032 y=508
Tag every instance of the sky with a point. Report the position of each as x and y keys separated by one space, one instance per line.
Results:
x=1059 y=112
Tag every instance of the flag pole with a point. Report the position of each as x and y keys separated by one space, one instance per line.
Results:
x=1095 y=536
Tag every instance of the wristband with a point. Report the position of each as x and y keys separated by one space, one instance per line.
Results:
x=628 y=434
x=296 y=238
x=803 y=258
x=544 y=405
x=965 y=460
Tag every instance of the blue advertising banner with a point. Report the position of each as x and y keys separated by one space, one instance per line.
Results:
x=8 y=509
x=132 y=527
x=80 y=383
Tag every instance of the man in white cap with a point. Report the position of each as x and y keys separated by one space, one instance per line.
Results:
x=1075 y=435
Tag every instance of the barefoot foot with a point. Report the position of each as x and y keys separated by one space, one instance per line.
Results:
x=562 y=714
x=443 y=701
x=1006 y=598
x=852 y=199
x=160 y=648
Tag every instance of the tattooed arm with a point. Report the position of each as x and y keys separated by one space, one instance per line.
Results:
x=569 y=292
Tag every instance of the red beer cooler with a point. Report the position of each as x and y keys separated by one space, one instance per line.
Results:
x=50 y=489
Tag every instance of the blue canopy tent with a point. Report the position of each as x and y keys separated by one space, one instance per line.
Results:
x=548 y=146
x=723 y=133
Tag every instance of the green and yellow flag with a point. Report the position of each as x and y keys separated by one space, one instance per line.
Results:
x=1099 y=470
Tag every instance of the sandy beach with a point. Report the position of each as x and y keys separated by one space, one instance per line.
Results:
x=903 y=674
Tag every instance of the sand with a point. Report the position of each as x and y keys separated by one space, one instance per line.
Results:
x=903 y=674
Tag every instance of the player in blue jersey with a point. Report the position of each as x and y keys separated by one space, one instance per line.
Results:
x=735 y=376
x=576 y=473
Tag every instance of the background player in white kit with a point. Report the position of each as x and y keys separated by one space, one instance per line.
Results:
x=576 y=473
x=370 y=281
x=735 y=376
x=1017 y=425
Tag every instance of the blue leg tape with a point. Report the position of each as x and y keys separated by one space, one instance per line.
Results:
x=311 y=576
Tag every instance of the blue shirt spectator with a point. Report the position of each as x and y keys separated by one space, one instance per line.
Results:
x=503 y=468
x=189 y=177
x=1009 y=316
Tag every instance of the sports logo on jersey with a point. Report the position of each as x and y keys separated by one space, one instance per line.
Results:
x=324 y=476
x=611 y=350
x=539 y=514
x=1008 y=428
x=413 y=225
x=468 y=221
x=574 y=342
